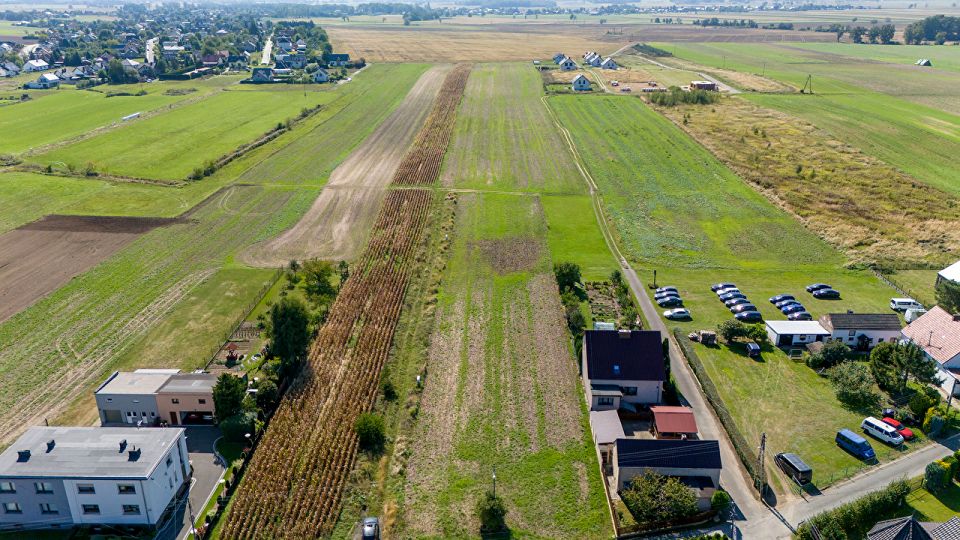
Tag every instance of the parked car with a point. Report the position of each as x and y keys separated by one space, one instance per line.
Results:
x=677 y=313
x=659 y=295
x=826 y=294
x=855 y=444
x=736 y=302
x=794 y=467
x=784 y=303
x=731 y=296
x=717 y=286
x=903 y=430
x=743 y=307
x=882 y=431
x=817 y=287
x=614 y=83
x=749 y=316
x=780 y=298
x=753 y=350
x=670 y=301
x=728 y=290
x=793 y=308
x=625 y=89
x=903 y=304
x=370 y=529
x=665 y=289
x=800 y=316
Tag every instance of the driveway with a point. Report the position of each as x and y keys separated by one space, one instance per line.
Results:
x=207 y=472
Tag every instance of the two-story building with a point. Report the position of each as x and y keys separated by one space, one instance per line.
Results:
x=55 y=477
x=622 y=368
x=862 y=331
x=937 y=332
x=150 y=397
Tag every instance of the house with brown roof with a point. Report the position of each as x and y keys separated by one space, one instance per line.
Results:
x=673 y=422
x=937 y=332
x=861 y=331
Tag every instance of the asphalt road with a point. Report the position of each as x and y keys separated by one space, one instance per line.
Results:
x=207 y=472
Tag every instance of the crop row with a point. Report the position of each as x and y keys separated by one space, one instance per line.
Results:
x=422 y=163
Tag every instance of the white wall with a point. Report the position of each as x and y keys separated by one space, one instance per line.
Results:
x=874 y=335
x=648 y=392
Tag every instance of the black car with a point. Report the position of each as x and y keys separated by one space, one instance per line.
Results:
x=736 y=302
x=781 y=297
x=826 y=294
x=749 y=316
x=716 y=287
x=731 y=296
x=817 y=287
x=800 y=316
x=670 y=301
x=784 y=303
x=743 y=307
x=792 y=308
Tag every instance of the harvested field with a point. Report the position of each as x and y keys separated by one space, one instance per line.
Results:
x=874 y=213
x=39 y=257
x=339 y=220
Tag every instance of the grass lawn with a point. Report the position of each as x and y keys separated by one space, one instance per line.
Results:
x=917 y=283
x=501 y=113
x=573 y=235
x=170 y=146
x=939 y=507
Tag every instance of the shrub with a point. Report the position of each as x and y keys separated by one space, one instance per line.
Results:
x=936 y=477
x=236 y=427
x=267 y=395
x=923 y=401
x=731 y=330
x=567 y=274
x=228 y=395
x=492 y=513
x=853 y=384
x=656 y=499
x=389 y=391
x=371 y=432
x=720 y=500
x=856 y=517
x=934 y=423
x=832 y=353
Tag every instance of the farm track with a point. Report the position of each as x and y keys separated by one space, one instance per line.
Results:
x=294 y=484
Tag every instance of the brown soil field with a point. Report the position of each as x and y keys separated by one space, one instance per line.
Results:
x=338 y=223
x=37 y=258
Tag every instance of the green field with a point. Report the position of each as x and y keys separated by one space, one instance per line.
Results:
x=171 y=145
x=917 y=283
x=942 y=58
x=505 y=138
x=574 y=235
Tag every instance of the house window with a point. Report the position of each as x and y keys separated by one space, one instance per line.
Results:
x=8 y=487
x=852 y=333
x=43 y=487
x=12 y=508
x=47 y=508
x=131 y=509
x=604 y=401
x=616 y=369
x=202 y=401
x=126 y=489
x=629 y=390
x=169 y=460
x=879 y=340
x=174 y=400
x=86 y=489
x=91 y=508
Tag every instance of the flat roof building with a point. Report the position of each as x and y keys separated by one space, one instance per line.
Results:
x=156 y=397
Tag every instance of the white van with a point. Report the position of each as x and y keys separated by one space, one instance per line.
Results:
x=882 y=431
x=903 y=304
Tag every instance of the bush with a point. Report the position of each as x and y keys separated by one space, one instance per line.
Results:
x=857 y=517
x=731 y=330
x=371 y=432
x=236 y=427
x=934 y=423
x=720 y=500
x=389 y=391
x=492 y=513
x=267 y=395
x=676 y=96
x=853 y=384
x=936 y=477
x=923 y=401
x=833 y=353
x=567 y=274
x=654 y=499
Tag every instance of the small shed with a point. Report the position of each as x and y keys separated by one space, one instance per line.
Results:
x=703 y=85
x=606 y=428
x=581 y=83
x=674 y=422
x=790 y=333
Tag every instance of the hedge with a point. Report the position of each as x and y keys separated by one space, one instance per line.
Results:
x=855 y=518
x=743 y=449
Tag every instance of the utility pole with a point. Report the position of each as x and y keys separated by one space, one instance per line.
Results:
x=494 y=481
x=761 y=476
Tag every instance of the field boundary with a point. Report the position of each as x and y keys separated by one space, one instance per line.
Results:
x=252 y=305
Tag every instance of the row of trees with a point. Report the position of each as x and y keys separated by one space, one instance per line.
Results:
x=675 y=96
x=938 y=29
x=875 y=34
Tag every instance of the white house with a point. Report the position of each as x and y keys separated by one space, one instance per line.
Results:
x=694 y=462
x=622 y=368
x=43 y=82
x=581 y=83
x=937 y=332
x=321 y=76
x=35 y=65
x=862 y=330
x=950 y=273
x=567 y=64
x=790 y=333
x=608 y=63
x=56 y=476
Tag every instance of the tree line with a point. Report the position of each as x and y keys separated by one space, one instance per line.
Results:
x=938 y=29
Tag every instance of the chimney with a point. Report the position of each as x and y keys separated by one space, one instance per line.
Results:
x=956 y=317
x=123 y=445
x=133 y=454
x=624 y=334
x=23 y=455
x=50 y=444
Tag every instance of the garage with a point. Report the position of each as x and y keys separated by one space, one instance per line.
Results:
x=792 y=333
x=196 y=418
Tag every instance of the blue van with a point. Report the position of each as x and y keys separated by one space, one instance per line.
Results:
x=855 y=444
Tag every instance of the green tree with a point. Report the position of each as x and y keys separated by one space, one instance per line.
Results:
x=886 y=34
x=916 y=365
x=316 y=277
x=731 y=330
x=343 y=268
x=228 y=395
x=853 y=384
x=236 y=427
x=289 y=333
x=267 y=395
x=653 y=498
x=567 y=274
x=832 y=353
x=857 y=33
x=940 y=38
x=922 y=401
x=885 y=365
x=492 y=513
x=371 y=432
x=115 y=72
x=948 y=295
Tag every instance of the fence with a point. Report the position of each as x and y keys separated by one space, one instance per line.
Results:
x=902 y=289
x=242 y=317
x=740 y=445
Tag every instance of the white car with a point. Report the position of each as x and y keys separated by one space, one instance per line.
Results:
x=677 y=313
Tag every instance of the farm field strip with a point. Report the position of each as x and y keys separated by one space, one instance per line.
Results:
x=501 y=113
x=296 y=479
x=61 y=346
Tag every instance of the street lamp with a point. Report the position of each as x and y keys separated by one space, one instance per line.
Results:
x=494 y=480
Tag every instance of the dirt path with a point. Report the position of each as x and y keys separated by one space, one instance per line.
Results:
x=337 y=225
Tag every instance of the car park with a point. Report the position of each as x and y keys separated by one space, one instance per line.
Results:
x=718 y=286
x=903 y=304
x=799 y=316
x=784 y=303
x=855 y=444
x=669 y=301
x=666 y=289
x=735 y=302
x=793 y=308
x=881 y=431
x=817 y=287
x=665 y=294
x=903 y=430
x=753 y=350
x=826 y=294
x=780 y=298
x=794 y=467
x=677 y=313
x=749 y=316
x=731 y=296
x=743 y=307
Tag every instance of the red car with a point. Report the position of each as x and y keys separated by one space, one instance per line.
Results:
x=904 y=431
